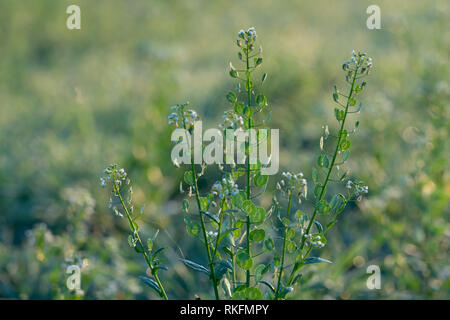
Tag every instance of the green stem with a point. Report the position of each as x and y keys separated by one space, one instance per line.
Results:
x=233 y=257
x=136 y=235
x=249 y=101
x=202 y=223
x=280 y=275
x=322 y=192
x=219 y=230
x=205 y=237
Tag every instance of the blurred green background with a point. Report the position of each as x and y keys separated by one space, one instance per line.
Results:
x=73 y=102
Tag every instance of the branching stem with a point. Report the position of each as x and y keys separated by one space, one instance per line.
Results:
x=138 y=238
x=298 y=264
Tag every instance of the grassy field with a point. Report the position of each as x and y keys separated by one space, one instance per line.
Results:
x=74 y=101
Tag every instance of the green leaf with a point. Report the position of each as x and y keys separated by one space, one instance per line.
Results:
x=253 y=293
x=240 y=293
x=150 y=244
x=224 y=234
x=238 y=199
x=259 y=272
x=297 y=278
x=195 y=266
x=269 y=245
x=323 y=207
x=231 y=97
x=257 y=235
x=345 y=155
x=156 y=269
x=222 y=267
x=193 y=228
x=339 y=114
x=317 y=190
x=157 y=252
x=316 y=260
x=260 y=180
x=335 y=97
x=131 y=241
x=258 y=216
x=270 y=286
x=210 y=215
x=329 y=225
x=185 y=204
x=344 y=176
x=264 y=77
x=239 y=108
x=138 y=248
x=276 y=261
x=152 y=284
x=258 y=61
x=290 y=246
x=243 y=260
x=248 y=111
x=204 y=203
x=334 y=202
x=299 y=215
x=233 y=73
x=189 y=177
x=345 y=144
x=248 y=207
x=285 y=291
x=315 y=175
x=261 y=100
x=318 y=226
x=290 y=233
x=323 y=161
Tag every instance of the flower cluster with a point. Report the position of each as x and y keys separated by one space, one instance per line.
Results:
x=115 y=174
x=358 y=187
x=247 y=38
x=231 y=120
x=293 y=182
x=314 y=241
x=226 y=188
x=358 y=61
x=212 y=234
x=118 y=177
x=180 y=117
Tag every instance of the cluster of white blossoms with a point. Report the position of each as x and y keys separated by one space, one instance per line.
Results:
x=358 y=61
x=247 y=38
x=226 y=188
x=212 y=234
x=115 y=174
x=181 y=117
x=118 y=177
x=358 y=187
x=291 y=182
x=313 y=241
x=231 y=120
